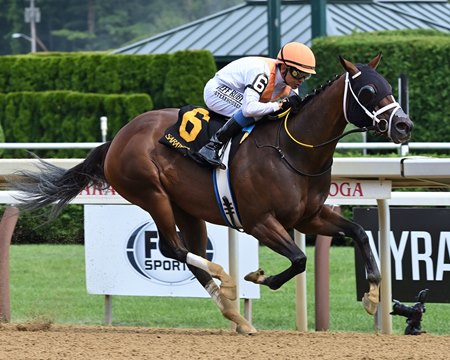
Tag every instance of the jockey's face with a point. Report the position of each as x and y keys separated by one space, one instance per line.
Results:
x=293 y=77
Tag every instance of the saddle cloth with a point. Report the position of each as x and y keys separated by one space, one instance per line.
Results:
x=193 y=129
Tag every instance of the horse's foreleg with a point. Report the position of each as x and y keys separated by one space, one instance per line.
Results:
x=227 y=284
x=272 y=234
x=330 y=223
x=195 y=236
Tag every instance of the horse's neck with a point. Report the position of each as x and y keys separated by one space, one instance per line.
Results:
x=323 y=118
x=319 y=121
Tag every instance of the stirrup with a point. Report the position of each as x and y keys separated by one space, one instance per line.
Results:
x=209 y=155
x=211 y=161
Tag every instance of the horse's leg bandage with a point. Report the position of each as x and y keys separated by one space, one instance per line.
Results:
x=227 y=284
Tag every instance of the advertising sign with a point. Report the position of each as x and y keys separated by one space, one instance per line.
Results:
x=360 y=189
x=420 y=251
x=123 y=256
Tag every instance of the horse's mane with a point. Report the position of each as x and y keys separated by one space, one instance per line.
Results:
x=307 y=99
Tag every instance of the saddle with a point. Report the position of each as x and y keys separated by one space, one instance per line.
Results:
x=194 y=127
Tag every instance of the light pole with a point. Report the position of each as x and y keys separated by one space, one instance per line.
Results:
x=38 y=41
x=33 y=16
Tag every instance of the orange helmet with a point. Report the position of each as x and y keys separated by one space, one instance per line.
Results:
x=297 y=55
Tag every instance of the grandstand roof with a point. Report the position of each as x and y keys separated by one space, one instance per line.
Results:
x=242 y=30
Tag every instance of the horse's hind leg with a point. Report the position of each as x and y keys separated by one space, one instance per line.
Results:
x=194 y=236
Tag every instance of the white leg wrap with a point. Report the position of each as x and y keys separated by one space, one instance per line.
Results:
x=214 y=291
x=197 y=261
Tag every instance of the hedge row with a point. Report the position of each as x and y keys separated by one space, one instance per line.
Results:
x=65 y=116
x=172 y=80
x=423 y=55
x=33 y=228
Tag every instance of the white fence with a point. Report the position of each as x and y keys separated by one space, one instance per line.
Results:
x=402 y=149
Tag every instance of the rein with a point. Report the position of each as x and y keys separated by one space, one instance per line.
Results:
x=373 y=116
x=337 y=138
x=283 y=155
x=381 y=125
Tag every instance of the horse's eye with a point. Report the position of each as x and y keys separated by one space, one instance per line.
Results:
x=366 y=94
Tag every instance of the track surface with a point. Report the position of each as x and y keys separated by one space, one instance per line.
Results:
x=45 y=341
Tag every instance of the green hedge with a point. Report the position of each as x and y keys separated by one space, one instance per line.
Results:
x=187 y=77
x=424 y=55
x=65 y=116
x=172 y=80
x=33 y=228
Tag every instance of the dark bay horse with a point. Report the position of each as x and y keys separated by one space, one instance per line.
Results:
x=280 y=176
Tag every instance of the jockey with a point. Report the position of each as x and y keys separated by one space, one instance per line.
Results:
x=249 y=88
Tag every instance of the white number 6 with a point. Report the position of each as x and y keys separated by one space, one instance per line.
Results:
x=260 y=83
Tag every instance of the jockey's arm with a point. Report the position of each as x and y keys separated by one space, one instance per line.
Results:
x=252 y=107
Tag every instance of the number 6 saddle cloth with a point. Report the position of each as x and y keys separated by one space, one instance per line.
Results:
x=193 y=129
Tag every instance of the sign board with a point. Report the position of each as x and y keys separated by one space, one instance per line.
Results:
x=123 y=256
x=420 y=251
x=360 y=189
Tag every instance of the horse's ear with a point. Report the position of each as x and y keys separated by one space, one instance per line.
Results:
x=352 y=69
x=375 y=61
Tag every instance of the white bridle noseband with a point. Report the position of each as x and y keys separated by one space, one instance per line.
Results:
x=376 y=122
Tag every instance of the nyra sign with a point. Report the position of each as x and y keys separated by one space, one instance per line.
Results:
x=420 y=251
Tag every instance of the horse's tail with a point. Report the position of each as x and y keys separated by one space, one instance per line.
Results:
x=54 y=185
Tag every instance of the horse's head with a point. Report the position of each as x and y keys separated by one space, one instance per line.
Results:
x=368 y=102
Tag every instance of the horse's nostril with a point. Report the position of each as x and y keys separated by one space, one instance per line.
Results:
x=404 y=127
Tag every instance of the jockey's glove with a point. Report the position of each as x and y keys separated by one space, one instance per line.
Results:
x=293 y=102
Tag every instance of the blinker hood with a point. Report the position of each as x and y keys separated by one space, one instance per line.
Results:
x=381 y=87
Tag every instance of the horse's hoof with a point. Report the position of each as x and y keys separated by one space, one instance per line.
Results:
x=229 y=292
x=246 y=329
x=370 y=305
x=256 y=277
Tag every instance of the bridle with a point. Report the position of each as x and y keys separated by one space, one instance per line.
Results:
x=383 y=126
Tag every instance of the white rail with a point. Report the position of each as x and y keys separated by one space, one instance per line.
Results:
x=46 y=146
x=402 y=149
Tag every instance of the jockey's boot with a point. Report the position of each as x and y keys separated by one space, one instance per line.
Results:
x=210 y=152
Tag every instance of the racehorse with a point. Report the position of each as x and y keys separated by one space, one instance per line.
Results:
x=280 y=177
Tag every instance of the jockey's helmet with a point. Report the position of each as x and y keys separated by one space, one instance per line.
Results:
x=297 y=55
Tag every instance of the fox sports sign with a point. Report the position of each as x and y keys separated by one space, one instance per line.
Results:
x=145 y=256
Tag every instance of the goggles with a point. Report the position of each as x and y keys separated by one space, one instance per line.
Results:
x=297 y=74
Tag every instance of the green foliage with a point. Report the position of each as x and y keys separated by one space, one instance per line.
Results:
x=60 y=97
x=65 y=116
x=33 y=228
x=424 y=55
x=73 y=25
x=170 y=79
x=2 y=136
x=187 y=75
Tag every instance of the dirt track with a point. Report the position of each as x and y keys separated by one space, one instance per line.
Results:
x=110 y=343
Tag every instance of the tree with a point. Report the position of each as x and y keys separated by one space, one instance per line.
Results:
x=83 y=25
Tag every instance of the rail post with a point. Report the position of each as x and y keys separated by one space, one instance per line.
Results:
x=7 y=225
x=322 y=276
